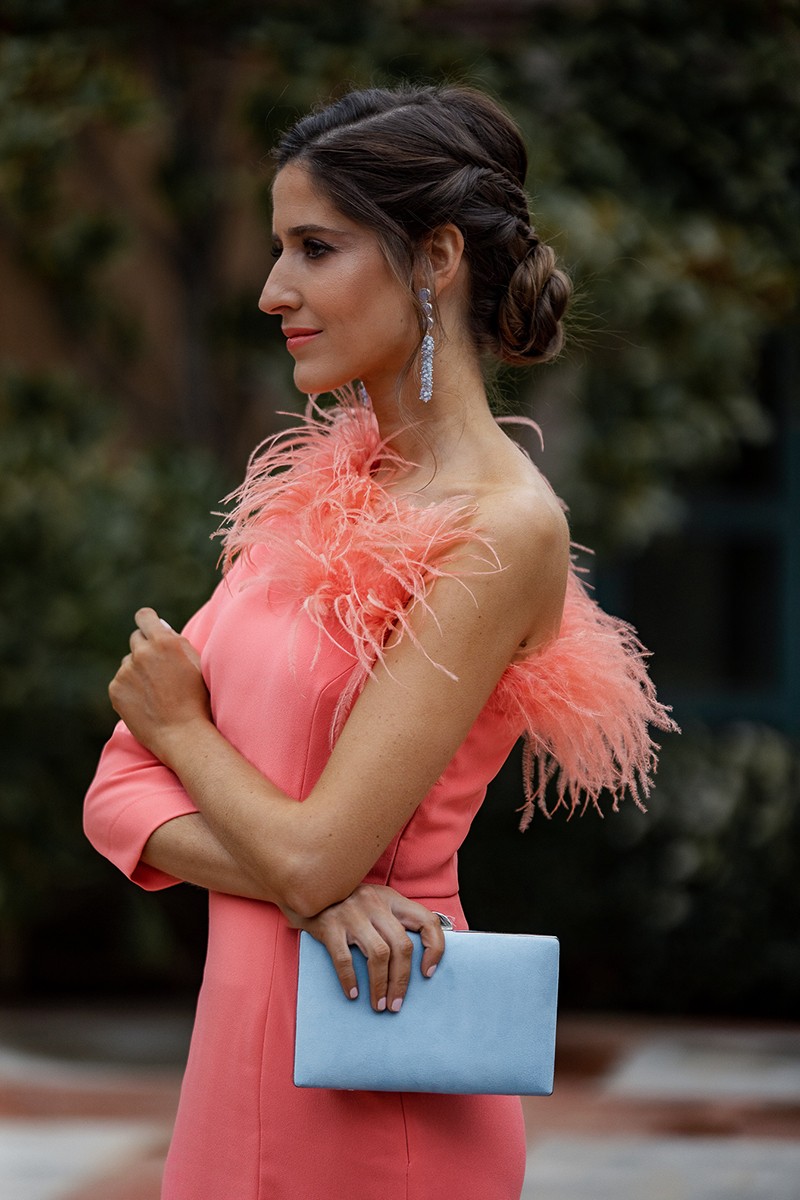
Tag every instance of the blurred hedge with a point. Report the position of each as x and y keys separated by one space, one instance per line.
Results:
x=691 y=907
x=87 y=526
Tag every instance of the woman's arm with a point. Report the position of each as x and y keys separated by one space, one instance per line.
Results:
x=374 y=918
x=139 y=816
x=403 y=731
x=132 y=792
x=185 y=848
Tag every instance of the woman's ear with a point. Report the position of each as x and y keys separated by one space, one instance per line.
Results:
x=445 y=252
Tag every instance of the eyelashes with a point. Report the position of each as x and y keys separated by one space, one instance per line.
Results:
x=315 y=249
x=312 y=249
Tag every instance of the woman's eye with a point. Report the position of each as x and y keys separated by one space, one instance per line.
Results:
x=276 y=250
x=315 y=249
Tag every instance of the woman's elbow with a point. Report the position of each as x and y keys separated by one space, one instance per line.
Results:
x=309 y=885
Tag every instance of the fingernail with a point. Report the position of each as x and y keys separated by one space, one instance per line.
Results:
x=430 y=970
x=382 y=1004
x=397 y=1005
x=353 y=993
x=166 y=624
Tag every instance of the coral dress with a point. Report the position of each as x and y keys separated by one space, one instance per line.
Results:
x=324 y=564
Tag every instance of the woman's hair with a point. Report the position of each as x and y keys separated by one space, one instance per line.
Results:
x=405 y=162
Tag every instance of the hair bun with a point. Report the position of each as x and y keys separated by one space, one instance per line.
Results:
x=529 y=319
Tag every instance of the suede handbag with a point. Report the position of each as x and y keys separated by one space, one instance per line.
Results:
x=484 y=1023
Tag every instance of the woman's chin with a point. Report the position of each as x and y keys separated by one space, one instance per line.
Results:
x=314 y=383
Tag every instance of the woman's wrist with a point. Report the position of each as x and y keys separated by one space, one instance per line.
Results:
x=180 y=745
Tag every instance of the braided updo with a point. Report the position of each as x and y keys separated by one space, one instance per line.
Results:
x=406 y=161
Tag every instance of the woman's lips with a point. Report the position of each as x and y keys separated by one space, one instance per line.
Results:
x=298 y=337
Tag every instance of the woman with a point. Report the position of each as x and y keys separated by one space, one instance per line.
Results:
x=392 y=616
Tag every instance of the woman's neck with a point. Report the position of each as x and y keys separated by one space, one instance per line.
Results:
x=431 y=435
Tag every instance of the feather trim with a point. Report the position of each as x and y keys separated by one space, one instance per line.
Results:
x=356 y=558
x=585 y=703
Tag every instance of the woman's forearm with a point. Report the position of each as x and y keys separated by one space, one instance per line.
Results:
x=186 y=848
x=259 y=846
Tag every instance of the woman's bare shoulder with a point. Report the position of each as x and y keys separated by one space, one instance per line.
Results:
x=527 y=527
x=519 y=511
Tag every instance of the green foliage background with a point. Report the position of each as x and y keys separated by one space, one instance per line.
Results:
x=664 y=164
x=691 y=907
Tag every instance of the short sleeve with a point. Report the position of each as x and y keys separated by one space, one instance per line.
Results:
x=132 y=793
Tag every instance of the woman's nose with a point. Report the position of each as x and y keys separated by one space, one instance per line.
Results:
x=277 y=294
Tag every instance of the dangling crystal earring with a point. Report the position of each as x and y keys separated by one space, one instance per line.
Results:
x=363 y=395
x=426 y=350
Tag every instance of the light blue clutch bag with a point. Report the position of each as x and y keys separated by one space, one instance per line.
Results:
x=484 y=1023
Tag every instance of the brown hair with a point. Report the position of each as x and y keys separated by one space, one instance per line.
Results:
x=406 y=161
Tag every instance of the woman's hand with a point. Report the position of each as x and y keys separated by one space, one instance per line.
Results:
x=159 y=690
x=375 y=919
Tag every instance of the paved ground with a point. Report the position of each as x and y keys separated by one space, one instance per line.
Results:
x=643 y=1110
x=670 y=1110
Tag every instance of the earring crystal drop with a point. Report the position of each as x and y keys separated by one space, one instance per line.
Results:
x=426 y=350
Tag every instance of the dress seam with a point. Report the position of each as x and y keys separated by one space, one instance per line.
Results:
x=320 y=697
x=408 y=1149
x=270 y=992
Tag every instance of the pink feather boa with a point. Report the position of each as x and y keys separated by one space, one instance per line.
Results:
x=354 y=557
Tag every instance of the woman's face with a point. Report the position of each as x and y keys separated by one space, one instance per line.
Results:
x=344 y=314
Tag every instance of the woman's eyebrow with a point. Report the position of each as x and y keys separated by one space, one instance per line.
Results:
x=305 y=230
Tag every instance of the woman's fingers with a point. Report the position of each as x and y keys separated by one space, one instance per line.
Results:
x=378 y=955
x=332 y=929
x=398 y=973
x=376 y=920
x=149 y=626
x=148 y=621
x=408 y=915
x=338 y=938
x=136 y=640
x=386 y=944
x=342 y=959
x=415 y=916
x=432 y=936
x=157 y=636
